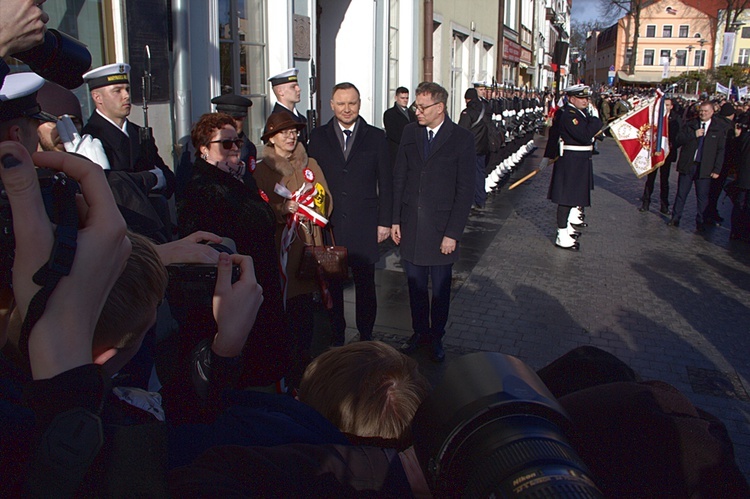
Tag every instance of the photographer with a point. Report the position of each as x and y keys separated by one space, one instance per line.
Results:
x=22 y=26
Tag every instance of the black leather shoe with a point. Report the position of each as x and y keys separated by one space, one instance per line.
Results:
x=700 y=228
x=664 y=209
x=411 y=344
x=673 y=223
x=644 y=207
x=575 y=247
x=575 y=235
x=438 y=354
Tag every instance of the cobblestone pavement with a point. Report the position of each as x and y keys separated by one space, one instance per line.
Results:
x=672 y=304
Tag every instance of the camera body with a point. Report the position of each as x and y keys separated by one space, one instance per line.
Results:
x=58 y=192
x=60 y=58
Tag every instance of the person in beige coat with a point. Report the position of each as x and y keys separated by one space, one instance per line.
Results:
x=298 y=193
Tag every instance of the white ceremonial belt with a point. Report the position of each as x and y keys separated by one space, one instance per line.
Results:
x=575 y=148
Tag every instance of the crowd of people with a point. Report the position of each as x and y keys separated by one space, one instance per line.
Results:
x=101 y=395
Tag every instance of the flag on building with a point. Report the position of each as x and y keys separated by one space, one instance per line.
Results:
x=672 y=11
x=643 y=135
x=728 y=49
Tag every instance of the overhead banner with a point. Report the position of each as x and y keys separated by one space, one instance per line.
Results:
x=728 y=49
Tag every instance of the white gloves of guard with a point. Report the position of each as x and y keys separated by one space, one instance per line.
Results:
x=86 y=146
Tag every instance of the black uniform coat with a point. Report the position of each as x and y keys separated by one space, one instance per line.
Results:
x=361 y=186
x=303 y=136
x=394 y=121
x=217 y=202
x=573 y=173
x=432 y=196
x=714 y=147
x=125 y=153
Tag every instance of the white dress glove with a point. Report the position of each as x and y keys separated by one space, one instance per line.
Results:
x=86 y=146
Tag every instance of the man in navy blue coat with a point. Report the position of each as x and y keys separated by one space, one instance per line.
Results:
x=354 y=158
x=433 y=187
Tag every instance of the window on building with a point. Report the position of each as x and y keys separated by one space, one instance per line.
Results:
x=242 y=53
x=457 y=68
x=744 y=57
x=684 y=31
x=651 y=31
x=393 y=31
x=745 y=32
x=700 y=58
x=665 y=53
x=666 y=31
x=648 y=57
x=628 y=55
x=681 y=58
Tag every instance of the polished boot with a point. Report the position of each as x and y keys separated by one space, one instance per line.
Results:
x=565 y=241
x=644 y=206
x=572 y=231
x=664 y=209
x=576 y=216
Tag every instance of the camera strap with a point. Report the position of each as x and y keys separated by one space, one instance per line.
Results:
x=60 y=261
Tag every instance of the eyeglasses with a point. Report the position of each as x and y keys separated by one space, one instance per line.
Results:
x=422 y=109
x=227 y=143
x=289 y=132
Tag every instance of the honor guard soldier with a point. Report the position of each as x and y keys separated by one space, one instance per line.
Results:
x=286 y=89
x=236 y=106
x=110 y=91
x=573 y=173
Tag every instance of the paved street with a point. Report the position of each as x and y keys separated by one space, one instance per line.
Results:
x=672 y=304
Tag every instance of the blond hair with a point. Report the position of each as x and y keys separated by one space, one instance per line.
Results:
x=368 y=389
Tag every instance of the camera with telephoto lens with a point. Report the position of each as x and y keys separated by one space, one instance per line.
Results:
x=59 y=58
x=193 y=284
x=493 y=429
x=58 y=193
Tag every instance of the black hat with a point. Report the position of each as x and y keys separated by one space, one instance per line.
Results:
x=233 y=105
x=726 y=110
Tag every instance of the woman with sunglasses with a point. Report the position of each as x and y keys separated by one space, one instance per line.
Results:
x=220 y=198
x=285 y=162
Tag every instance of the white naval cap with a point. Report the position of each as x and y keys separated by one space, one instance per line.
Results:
x=284 y=77
x=478 y=84
x=579 y=90
x=18 y=97
x=111 y=74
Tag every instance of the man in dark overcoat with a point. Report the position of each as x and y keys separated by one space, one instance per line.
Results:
x=433 y=188
x=573 y=173
x=354 y=158
x=703 y=142
x=395 y=119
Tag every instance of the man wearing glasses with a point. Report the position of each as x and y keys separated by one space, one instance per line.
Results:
x=433 y=188
x=110 y=91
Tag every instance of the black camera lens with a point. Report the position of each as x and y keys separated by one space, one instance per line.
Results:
x=60 y=58
x=493 y=429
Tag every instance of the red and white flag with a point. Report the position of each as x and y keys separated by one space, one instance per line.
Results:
x=672 y=11
x=639 y=134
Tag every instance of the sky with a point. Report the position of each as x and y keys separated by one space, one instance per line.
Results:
x=585 y=10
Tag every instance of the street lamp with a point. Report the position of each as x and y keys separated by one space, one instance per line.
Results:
x=687 y=74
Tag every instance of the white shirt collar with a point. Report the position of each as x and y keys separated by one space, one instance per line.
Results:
x=123 y=129
x=342 y=127
x=435 y=130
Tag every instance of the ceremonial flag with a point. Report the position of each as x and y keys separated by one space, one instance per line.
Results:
x=643 y=135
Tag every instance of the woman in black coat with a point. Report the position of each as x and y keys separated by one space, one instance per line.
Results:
x=221 y=199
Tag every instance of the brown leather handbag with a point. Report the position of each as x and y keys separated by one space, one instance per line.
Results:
x=330 y=261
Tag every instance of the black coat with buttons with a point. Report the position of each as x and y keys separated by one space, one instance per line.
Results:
x=361 y=186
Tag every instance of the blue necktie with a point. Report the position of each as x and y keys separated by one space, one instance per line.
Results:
x=347 y=136
x=428 y=143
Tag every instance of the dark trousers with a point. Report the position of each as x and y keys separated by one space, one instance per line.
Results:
x=429 y=319
x=684 y=184
x=663 y=172
x=741 y=215
x=480 y=195
x=563 y=212
x=714 y=192
x=365 y=300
